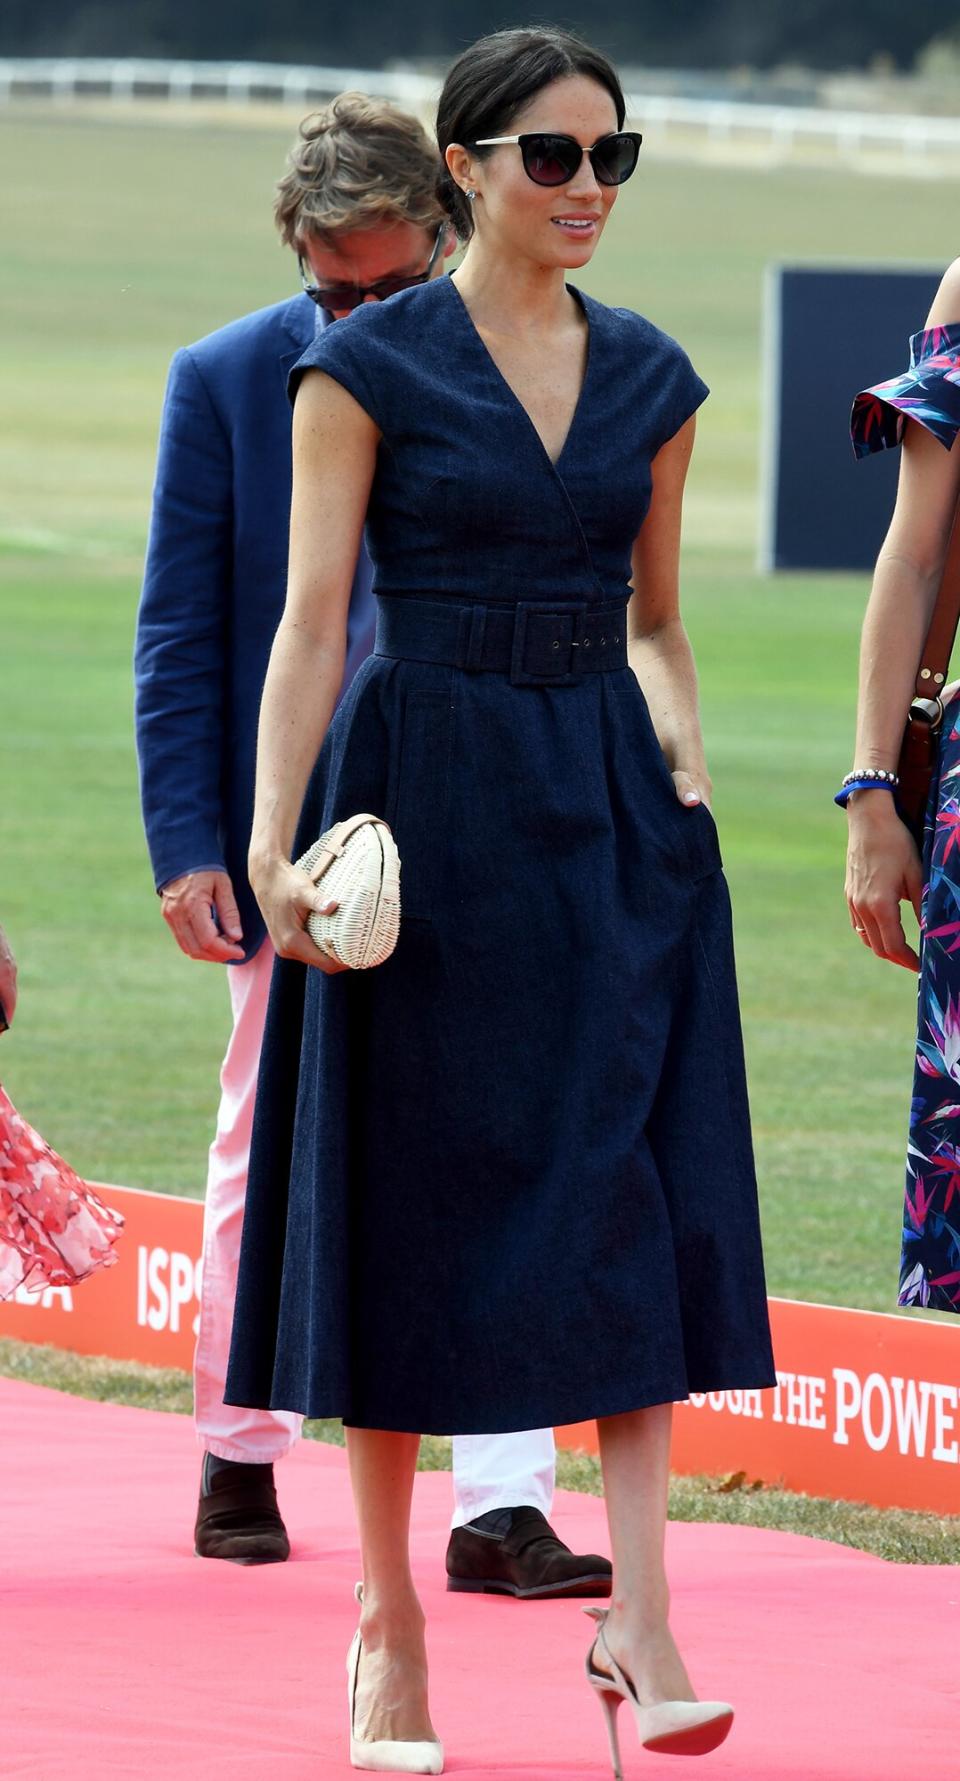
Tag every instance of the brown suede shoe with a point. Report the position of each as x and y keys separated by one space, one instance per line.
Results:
x=237 y=1515
x=516 y=1552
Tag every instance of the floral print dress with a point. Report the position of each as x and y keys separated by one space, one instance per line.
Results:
x=929 y=392
x=54 y=1230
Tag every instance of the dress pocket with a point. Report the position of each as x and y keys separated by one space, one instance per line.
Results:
x=421 y=802
x=699 y=831
x=694 y=841
x=686 y=838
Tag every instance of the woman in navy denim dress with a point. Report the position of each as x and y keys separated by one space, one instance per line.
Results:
x=506 y=1178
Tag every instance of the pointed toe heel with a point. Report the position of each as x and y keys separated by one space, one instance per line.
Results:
x=386 y=1756
x=684 y=1728
x=669 y=1728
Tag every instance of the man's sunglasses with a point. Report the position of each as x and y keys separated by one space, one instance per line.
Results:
x=553 y=160
x=350 y=296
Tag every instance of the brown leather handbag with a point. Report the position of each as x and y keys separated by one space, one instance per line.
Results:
x=920 y=749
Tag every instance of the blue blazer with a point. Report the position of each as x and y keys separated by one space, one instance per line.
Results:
x=213 y=592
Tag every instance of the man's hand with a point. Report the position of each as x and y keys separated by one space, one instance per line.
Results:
x=8 y=979
x=201 y=911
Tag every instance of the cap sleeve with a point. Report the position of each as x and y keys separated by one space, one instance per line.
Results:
x=347 y=351
x=683 y=393
x=929 y=392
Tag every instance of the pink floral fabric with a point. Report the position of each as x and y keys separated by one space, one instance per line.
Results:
x=54 y=1230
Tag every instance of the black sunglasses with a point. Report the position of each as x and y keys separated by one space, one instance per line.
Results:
x=350 y=296
x=553 y=160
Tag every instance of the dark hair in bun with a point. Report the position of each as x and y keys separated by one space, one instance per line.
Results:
x=493 y=80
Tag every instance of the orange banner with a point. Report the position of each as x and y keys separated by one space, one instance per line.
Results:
x=867 y=1406
x=146 y=1308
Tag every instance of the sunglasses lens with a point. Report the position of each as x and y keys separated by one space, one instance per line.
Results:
x=550 y=160
x=615 y=158
x=388 y=287
x=348 y=297
x=344 y=296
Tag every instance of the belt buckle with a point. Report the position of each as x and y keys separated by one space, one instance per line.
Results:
x=544 y=641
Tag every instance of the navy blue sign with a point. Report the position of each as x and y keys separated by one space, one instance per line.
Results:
x=831 y=331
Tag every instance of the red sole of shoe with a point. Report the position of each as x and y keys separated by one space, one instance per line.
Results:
x=698 y=1741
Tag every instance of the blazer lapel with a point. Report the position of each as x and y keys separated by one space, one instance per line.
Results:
x=299 y=326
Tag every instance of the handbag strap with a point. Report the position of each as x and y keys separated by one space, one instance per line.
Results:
x=335 y=840
x=935 y=656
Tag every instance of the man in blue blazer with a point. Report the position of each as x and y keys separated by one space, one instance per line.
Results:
x=358 y=205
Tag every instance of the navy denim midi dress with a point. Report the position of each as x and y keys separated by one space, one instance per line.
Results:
x=505 y=1179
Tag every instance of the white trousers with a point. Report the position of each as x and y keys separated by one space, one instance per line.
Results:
x=489 y=1471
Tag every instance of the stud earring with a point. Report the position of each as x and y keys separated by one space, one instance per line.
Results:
x=470 y=195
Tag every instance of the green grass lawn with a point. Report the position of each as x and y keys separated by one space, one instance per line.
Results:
x=123 y=240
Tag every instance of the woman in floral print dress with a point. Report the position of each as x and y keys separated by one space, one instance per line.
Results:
x=54 y=1230
x=883 y=865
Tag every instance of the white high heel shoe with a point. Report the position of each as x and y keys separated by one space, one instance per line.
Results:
x=671 y=1728
x=394 y=1756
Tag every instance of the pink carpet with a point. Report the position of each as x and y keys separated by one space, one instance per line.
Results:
x=123 y=1655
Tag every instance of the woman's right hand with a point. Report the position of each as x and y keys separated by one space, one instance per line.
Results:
x=883 y=871
x=287 y=897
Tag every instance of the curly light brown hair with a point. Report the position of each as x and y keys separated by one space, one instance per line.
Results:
x=357 y=163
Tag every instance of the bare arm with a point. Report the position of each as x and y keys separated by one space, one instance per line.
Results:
x=334 y=453
x=659 y=648
x=883 y=866
x=8 y=979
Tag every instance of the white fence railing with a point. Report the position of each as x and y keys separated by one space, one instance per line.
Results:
x=83 y=77
x=787 y=125
x=776 y=129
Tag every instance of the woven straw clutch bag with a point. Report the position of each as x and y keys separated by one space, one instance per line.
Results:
x=359 y=866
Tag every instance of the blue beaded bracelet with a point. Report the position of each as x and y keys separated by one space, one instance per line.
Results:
x=862 y=785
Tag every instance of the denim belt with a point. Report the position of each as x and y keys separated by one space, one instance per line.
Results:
x=536 y=643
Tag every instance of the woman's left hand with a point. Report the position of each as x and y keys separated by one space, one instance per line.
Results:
x=691 y=791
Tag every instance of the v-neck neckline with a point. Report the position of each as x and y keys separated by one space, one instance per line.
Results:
x=579 y=298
